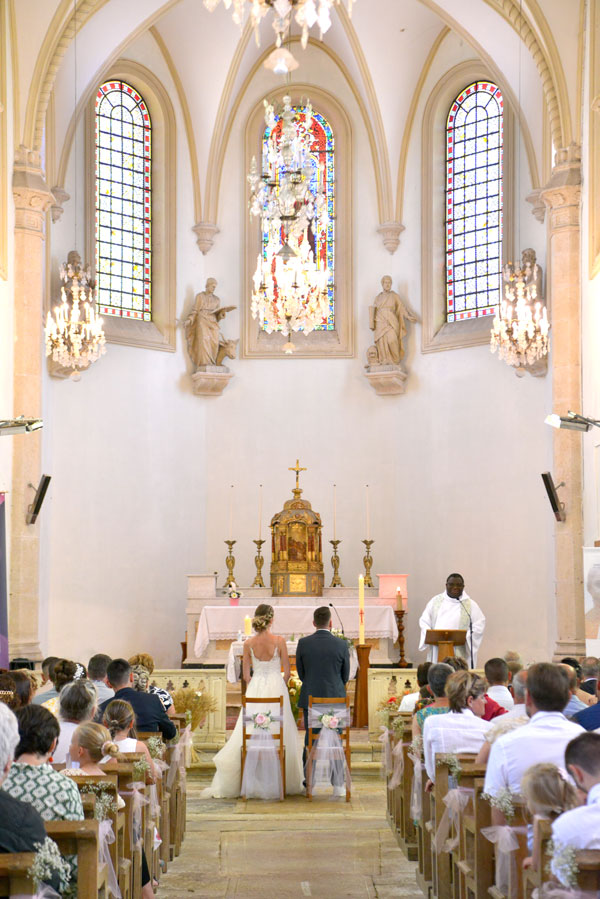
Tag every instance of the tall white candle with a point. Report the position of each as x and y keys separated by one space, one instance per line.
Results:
x=361 y=609
x=334 y=512
x=231 y=513
x=368 y=512
x=260 y=511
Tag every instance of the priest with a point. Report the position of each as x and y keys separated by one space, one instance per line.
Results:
x=454 y=610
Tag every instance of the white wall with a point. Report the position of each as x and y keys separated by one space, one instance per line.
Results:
x=141 y=468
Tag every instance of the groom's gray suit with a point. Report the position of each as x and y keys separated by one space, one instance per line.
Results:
x=323 y=664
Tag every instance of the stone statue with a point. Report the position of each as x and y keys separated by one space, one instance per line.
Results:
x=206 y=345
x=387 y=319
x=533 y=273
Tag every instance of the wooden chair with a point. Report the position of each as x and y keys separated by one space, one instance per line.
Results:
x=588 y=863
x=265 y=702
x=533 y=878
x=14 y=877
x=320 y=700
x=80 y=838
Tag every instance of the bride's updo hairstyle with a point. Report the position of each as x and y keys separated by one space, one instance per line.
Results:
x=263 y=617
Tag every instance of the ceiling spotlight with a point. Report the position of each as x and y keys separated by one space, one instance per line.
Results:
x=19 y=425
x=572 y=421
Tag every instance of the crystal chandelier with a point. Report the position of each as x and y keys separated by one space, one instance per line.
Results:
x=520 y=328
x=290 y=290
x=307 y=14
x=74 y=333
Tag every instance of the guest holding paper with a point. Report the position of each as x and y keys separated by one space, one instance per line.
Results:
x=453 y=610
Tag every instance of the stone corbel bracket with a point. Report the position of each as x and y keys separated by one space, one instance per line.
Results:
x=390 y=234
x=58 y=207
x=538 y=207
x=211 y=380
x=386 y=380
x=205 y=235
x=538 y=369
x=56 y=370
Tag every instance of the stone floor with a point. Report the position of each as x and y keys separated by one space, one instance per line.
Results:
x=326 y=848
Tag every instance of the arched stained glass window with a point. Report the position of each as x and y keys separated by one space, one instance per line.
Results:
x=474 y=202
x=321 y=233
x=123 y=202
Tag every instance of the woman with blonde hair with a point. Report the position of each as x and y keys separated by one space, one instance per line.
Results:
x=91 y=744
x=264 y=657
x=119 y=718
x=146 y=661
x=548 y=794
x=463 y=728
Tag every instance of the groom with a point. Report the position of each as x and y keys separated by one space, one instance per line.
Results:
x=323 y=665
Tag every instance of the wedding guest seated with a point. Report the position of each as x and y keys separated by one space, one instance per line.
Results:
x=8 y=692
x=580 y=827
x=589 y=718
x=519 y=688
x=503 y=725
x=32 y=778
x=542 y=740
x=77 y=703
x=514 y=662
x=410 y=700
x=497 y=675
x=26 y=684
x=147 y=662
x=119 y=718
x=91 y=745
x=574 y=705
x=47 y=689
x=141 y=678
x=149 y=711
x=492 y=708
x=65 y=671
x=590 y=671
x=97 y=668
x=437 y=677
x=463 y=728
x=582 y=695
x=548 y=794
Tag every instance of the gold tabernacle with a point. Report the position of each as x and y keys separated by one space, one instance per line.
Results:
x=296 y=551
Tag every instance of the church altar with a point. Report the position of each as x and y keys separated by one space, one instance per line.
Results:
x=224 y=623
x=234 y=659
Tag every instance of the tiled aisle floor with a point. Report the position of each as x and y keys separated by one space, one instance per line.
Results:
x=328 y=849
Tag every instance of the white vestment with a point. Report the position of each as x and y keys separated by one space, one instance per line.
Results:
x=444 y=613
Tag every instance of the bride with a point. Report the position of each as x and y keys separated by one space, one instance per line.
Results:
x=266 y=654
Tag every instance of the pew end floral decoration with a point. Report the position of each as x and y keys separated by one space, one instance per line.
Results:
x=562 y=863
x=504 y=801
x=47 y=862
x=294 y=686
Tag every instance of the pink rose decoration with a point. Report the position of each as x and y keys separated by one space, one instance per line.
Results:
x=260 y=718
x=333 y=723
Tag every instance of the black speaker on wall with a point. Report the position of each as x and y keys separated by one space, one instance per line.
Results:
x=34 y=509
x=557 y=507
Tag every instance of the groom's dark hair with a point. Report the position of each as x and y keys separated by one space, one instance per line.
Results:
x=322 y=616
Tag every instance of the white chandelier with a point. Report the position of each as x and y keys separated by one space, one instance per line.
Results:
x=308 y=13
x=520 y=328
x=74 y=333
x=290 y=290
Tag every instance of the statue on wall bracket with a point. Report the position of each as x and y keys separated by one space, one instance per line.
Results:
x=207 y=347
x=387 y=319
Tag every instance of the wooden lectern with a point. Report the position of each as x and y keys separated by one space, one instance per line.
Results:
x=445 y=641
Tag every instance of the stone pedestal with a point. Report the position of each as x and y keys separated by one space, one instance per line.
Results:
x=386 y=380
x=562 y=196
x=211 y=380
x=32 y=198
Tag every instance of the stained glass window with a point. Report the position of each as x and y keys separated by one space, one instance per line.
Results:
x=321 y=233
x=123 y=202
x=474 y=202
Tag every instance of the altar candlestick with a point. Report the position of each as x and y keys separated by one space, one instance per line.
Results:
x=334 y=512
x=361 y=609
x=260 y=511
x=231 y=513
x=368 y=512
x=398 y=599
x=247 y=626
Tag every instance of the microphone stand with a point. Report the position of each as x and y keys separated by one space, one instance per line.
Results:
x=338 y=615
x=470 y=629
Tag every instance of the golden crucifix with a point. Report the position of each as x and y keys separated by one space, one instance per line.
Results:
x=297 y=469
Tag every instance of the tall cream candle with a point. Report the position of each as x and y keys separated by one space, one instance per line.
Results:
x=231 y=514
x=334 y=512
x=368 y=512
x=361 y=609
x=260 y=511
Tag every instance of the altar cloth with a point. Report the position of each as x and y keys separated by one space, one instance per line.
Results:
x=234 y=659
x=225 y=622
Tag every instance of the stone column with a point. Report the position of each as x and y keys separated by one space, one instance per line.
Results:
x=32 y=198
x=562 y=196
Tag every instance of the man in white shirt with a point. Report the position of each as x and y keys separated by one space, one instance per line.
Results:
x=410 y=700
x=544 y=739
x=519 y=686
x=97 y=673
x=453 y=610
x=580 y=827
x=496 y=674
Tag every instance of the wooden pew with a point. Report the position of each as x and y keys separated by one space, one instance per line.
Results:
x=399 y=799
x=80 y=838
x=468 y=867
x=588 y=862
x=165 y=854
x=14 y=879
x=125 y=777
x=424 y=874
x=149 y=821
x=515 y=886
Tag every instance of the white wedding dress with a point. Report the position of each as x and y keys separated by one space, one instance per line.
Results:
x=267 y=680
